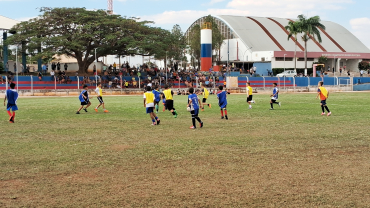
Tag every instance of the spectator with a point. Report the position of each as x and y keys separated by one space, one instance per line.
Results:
x=53 y=66
x=40 y=76
x=361 y=73
x=348 y=73
x=28 y=69
x=65 y=66
x=340 y=71
x=7 y=66
x=15 y=67
x=44 y=68
x=2 y=79
x=58 y=66
x=52 y=73
x=114 y=66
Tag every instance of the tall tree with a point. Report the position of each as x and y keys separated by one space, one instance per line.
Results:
x=294 y=29
x=309 y=28
x=194 y=43
x=77 y=32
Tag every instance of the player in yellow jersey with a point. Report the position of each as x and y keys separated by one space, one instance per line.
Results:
x=250 y=95
x=168 y=93
x=205 y=93
x=323 y=94
x=149 y=104
x=99 y=94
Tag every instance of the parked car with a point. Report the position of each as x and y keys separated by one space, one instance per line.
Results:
x=288 y=73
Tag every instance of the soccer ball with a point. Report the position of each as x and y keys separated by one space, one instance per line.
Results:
x=188 y=109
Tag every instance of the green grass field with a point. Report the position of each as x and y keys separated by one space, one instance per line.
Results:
x=290 y=157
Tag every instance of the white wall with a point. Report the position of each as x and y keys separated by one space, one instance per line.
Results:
x=290 y=64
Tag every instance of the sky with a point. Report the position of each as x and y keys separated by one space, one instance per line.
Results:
x=352 y=14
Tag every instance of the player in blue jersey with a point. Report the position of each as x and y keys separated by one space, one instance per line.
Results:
x=194 y=104
x=222 y=101
x=12 y=96
x=274 y=97
x=84 y=99
x=157 y=97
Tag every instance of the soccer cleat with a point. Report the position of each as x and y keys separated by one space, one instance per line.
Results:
x=11 y=120
x=253 y=101
x=271 y=109
x=158 y=122
x=85 y=110
x=202 y=109
x=279 y=104
x=157 y=112
x=222 y=117
x=226 y=117
x=192 y=127
x=106 y=111
x=250 y=107
x=329 y=113
x=209 y=105
x=201 y=125
x=96 y=110
x=78 y=112
x=323 y=114
x=153 y=124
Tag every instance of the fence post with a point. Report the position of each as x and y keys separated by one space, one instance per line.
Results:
x=78 y=82
x=31 y=85
x=264 y=83
x=351 y=80
x=121 y=83
x=6 y=82
x=55 y=85
x=293 y=84
x=179 y=82
x=284 y=84
x=279 y=81
x=308 y=82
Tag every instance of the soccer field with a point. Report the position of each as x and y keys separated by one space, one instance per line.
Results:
x=289 y=157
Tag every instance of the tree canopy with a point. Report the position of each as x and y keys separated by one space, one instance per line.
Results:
x=78 y=32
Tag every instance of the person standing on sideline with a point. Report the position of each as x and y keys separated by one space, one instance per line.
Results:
x=324 y=95
x=15 y=67
x=274 y=97
x=65 y=67
x=44 y=69
x=250 y=95
x=7 y=66
x=58 y=66
x=52 y=73
x=361 y=73
x=194 y=104
x=12 y=96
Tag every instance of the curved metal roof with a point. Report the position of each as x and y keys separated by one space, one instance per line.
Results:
x=7 y=23
x=269 y=34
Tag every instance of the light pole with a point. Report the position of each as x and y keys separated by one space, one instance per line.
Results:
x=247 y=56
x=284 y=71
x=16 y=64
x=165 y=66
x=96 y=71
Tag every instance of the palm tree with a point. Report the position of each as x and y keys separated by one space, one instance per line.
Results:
x=309 y=28
x=294 y=29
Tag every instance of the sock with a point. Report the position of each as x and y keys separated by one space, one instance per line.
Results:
x=156 y=118
x=326 y=107
x=198 y=119
x=225 y=112
x=153 y=120
x=193 y=120
x=173 y=113
x=13 y=115
x=10 y=114
x=156 y=107
x=271 y=105
x=322 y=108
x=222 y=113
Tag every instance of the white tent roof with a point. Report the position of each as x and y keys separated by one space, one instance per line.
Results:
x=254 y=33
x=7 y=23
